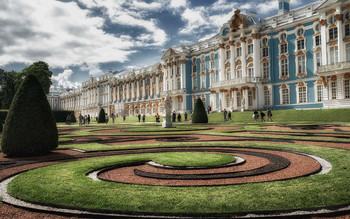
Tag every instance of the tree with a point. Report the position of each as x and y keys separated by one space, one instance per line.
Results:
x=199 y=114
x=42 y=71
x=102 y=116
x=30 y=127
x=7 y=88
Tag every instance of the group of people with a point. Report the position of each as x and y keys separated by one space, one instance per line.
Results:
x=84 y=120
x=227 y=115
x=256 y=114
x=139 y=117
x=178 y=116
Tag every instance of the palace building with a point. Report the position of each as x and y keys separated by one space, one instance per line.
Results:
x=297 y=59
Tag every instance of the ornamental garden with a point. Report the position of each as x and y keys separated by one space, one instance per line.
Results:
x=297 y=165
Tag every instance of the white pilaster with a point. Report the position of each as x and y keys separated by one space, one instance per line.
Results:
x=324 y=42
x=157 y=85
x=138 y=89
x=221 y=62
x=256 y=57
x=244 y=60
x=341 y=56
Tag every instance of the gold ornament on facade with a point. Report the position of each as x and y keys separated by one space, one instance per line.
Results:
x=231 y=43
x=333 y=78
x=284 y=78
x=250 y=41
x=339 y=17
x=242 y=39
x=213 y=91
x=301 y=84
x=222 y=46
x=331 y=11
x=227 y=47
x=250 y=59
x=347 y=75
x=227 y=65
x=266 y=88
x=333 y=43
x=323 y=22
x=284 y=86
x=239 y=62
x=256 y=36
x=266 y=80
x=223 y=90
x=238 y=44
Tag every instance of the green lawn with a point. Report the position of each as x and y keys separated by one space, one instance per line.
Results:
x=46 y=185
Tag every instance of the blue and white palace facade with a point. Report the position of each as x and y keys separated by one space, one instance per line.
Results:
x=297 y=59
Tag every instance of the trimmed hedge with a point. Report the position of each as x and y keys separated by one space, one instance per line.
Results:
x=199 y=114
x=61 y=115
x=101 y=116
x=3 y=114
x=30 y=127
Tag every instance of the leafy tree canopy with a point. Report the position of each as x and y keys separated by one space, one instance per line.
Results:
x=43 y=73
x=8 y=82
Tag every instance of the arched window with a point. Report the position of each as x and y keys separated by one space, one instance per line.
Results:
x=228 y=74
x=250 y=70
x=250 y=98
x=238 y=99
x=239 y=72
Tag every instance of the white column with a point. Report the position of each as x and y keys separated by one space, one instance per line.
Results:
x=232 y=59
x=245 y=92
x=323 y=42
x=151 y=87
x=221 y=62
x=144 y=88
x=118 y=94
x=244 y=60
x=138 y=89
x=234 y=96
x=213 y=101
x=183 y=73
x=157 y=85
x=340 y=87
x=256 y=56
x=341 y=56
x=127 y=91
x=132 y=90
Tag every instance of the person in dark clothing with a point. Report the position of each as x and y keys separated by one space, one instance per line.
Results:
x=269 y=115
x=88 y=119
x=185 y=116
x=256 y=115
x=262 y=116
x=229 y=116
x=179 y=117
x=139 y=117
x=225 y=114
x=143 y=118
x=174 y=116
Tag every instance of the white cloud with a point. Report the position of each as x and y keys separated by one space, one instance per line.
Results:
x=93 y=69
x=178 y=3
x=63 y=79
x=61 y=34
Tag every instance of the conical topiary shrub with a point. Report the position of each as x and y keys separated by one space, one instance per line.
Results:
x=30 y=127
x=102 y=116
x=72 y=117
x=199 y=115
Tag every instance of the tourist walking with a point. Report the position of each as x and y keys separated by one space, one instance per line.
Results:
x=174 y=116
x=106 y=117
x=124 y=118
x=143 y=118
x=89 y=118
x=255 y=115
x=85 y=120
x=80 y=119
x=262 y=116
x=269 y=115
x=157 y=118
x=113 y=117
x=225 y=114
x=229 y=116
x=179 y=117
x=185 y=116
x=139 y=117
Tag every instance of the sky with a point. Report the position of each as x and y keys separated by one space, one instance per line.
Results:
x=80 y=39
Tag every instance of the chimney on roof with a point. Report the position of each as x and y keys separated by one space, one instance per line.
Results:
x=283 y=6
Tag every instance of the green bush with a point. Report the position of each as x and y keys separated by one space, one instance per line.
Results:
x=199 y=115
x=61 y=115
x=3 y=114
x=102 y=116
x=30 y=127
x=72 y=117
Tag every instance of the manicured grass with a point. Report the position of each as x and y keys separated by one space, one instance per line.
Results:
x=161 y=129
x=181 y=159
x=66 y=183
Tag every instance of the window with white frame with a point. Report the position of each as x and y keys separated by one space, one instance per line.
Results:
x=154 y=108
x=348 y=52
x=283 y=48
x=212 y=64
x=173 y=84
x=238 y=99
x=250 y=98
x=318 y=40
x=267 y=98
x=333 y=90
x=212 y=56
x=250 y=49
x=228 y=74
x=194 y=68
x=265 y=52
x=300 y=32
x=178 y=80
x=179 y=104
x=301 y=44
x=239 y=72
x=333 y=54
x=301 y=65
x=204 y=101
x=266 y=70
x=194 y=83
x=178 y=70
x=302 y=94
x=347 y=88
x=264 y=41
x=318 y=58
x=317 y=28
x=238 y=52
x=203 y=67
x=228 y=54
x=212 y=78
x=319 y=92
x=228 y=100
x=333 y=33
x=203 y=80
x=161 y=108
x=285 y=95
x=284 y=67
x=250 y=70
x=347 y=30
x=147 y=109
x=283 y=37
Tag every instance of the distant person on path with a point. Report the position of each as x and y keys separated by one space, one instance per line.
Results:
x=113 y=117
x=179 y=117
x=106 y=116
x=157 y=118
x=269 y=115
x=256 y=115
x=80 y=119
x=139 y=117
x=225 y=114
x=124 y=118
x=85 y=120
x=89 y=118
x=174 y=116
x=262 y=116
x=185 y=116
x=68 y=120
x=143 y=118
x=229 y=116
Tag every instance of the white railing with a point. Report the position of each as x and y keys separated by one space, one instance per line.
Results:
x=236 y=81
x=335 y=67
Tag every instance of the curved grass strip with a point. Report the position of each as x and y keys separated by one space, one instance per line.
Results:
x=190 y=159
x=66 y=183
x=161 y=129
